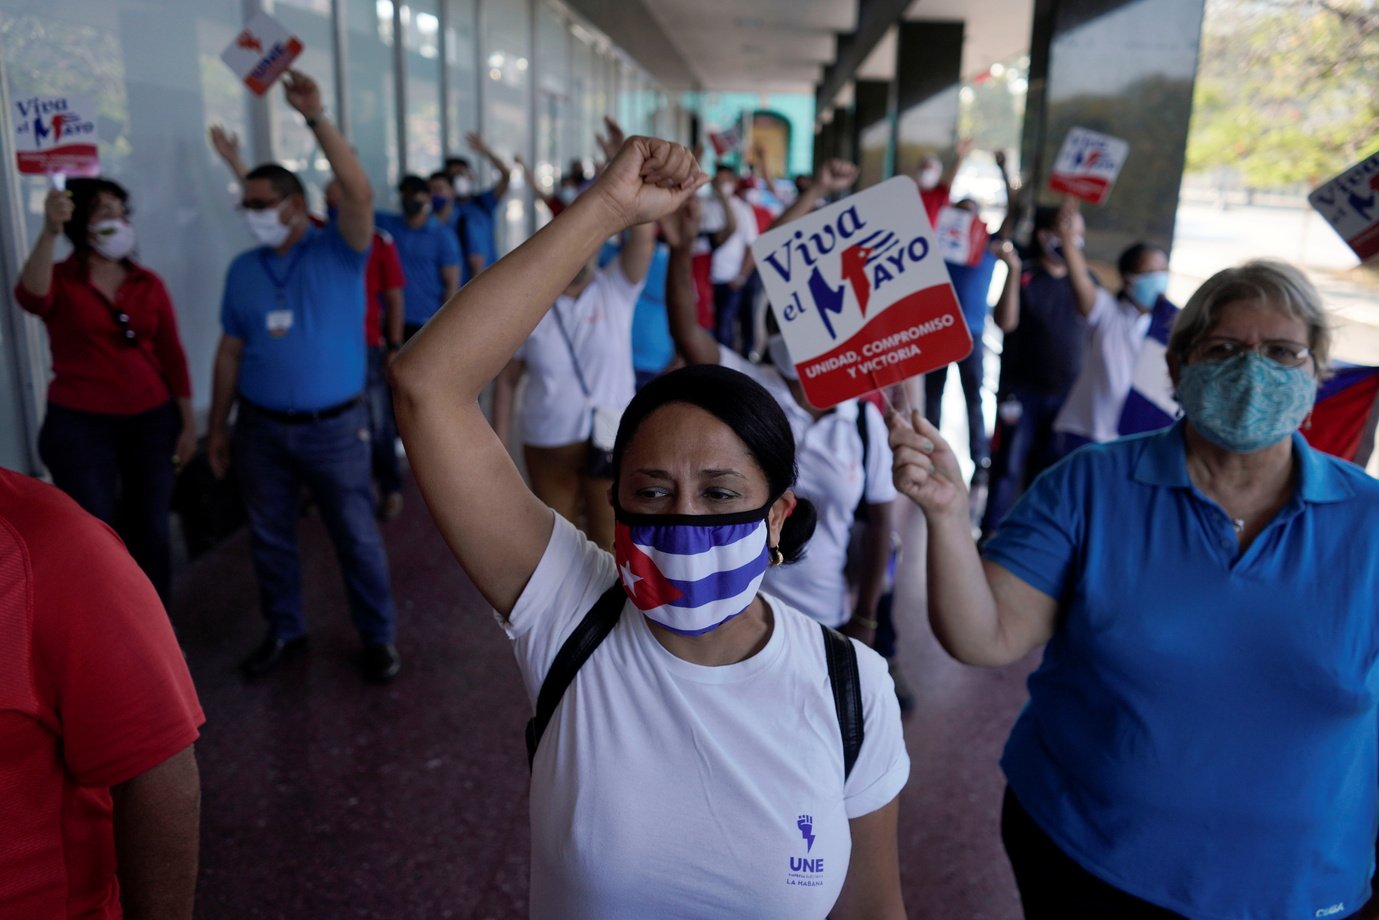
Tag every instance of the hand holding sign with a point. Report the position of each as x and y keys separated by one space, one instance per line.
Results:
x=648 y=179
x=261 y=52
x=57 y=210
x=1088 y=164
x=923 y=466
x=836 y=176
x=303 y=94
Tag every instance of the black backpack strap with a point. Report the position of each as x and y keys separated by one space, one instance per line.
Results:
x=592 y=630
x=860 y=512
x=847 y=693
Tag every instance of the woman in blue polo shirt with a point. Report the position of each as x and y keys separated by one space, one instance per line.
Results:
x=1200 y=738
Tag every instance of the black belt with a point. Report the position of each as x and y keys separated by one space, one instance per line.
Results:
x=294 y=417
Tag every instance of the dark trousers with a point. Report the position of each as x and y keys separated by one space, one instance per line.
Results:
x=332 y=459
x=727 y=301
x=1053 y=886
x=747 y=312
x=970 y=375
x=382 y=426
x=119 y=469
x=1025 y=447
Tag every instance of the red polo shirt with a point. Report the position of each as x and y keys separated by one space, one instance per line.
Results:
x=94 y=369
x=93 y=692
x=382 y=273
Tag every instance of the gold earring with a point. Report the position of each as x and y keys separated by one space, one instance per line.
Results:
x=777 y=557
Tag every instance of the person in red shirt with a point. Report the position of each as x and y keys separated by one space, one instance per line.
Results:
x=99 y=791
x=119 y=421
x=936 y=183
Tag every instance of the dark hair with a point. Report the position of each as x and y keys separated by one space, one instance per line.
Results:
x=283 y=180
x=412 y=184
x=457 y=161
x=84 y=193
x=1129 y=260
x=439 y=175
x=755 y=417
x=1045 y=217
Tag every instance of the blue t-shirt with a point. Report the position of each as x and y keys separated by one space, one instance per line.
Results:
x=475 y=215
x=301 y=318
x=424 y=251
x=971 y=283
x=652 y=348
x=1203 y=731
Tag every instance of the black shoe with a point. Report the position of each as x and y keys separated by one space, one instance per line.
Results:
x=270 y=654
x=380 y=663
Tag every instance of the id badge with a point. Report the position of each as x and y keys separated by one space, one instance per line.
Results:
x=278 y=322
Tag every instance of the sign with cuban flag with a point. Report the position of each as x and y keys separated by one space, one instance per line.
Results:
x=56 y=136
x=262 y=52
x=1350 y=204
x=691 y=579
x=1088 y=164
x=861 y=294
x=962 y=237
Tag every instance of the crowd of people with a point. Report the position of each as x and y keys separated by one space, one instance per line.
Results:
x=695 y=564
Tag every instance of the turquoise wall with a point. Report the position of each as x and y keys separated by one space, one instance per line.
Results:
x=720 y=110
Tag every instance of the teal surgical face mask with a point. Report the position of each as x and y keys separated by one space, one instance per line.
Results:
x=1246 y=403
x=1146 y=289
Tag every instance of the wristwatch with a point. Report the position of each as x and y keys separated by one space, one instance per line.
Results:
x=313 y=120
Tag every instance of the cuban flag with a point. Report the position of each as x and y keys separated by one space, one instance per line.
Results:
x=691 y=578
x=1344 y=411
x=1150 y=404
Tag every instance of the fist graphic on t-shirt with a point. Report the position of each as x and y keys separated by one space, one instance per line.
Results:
x=806 y=826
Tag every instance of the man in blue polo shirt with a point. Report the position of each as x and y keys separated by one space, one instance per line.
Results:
x=477 y=209
x=430 y=253
x=292 y=355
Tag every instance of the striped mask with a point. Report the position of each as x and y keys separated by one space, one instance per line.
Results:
x=691 y=573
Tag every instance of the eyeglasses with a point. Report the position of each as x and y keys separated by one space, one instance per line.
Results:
x=260 y=204
x=1280 y=351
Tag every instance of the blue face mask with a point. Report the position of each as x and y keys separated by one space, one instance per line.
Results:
x=1246 y=403
x=438 y=202
x=1146 y=289
x=691 y=573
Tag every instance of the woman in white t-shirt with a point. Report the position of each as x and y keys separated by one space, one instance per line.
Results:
x=1117 y=327
x=694 y=767
x=578 y=364
x=837 y=472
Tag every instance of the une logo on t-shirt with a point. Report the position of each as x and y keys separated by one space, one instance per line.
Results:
x=805 y=871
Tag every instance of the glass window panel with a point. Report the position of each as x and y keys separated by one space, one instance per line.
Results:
x=554 y=106
x=507 y=38
x=372 y=98
x=461 y=72
x=421 y=44
x=294 y=145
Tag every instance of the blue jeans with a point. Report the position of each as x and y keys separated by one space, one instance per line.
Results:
x=1025 y=448
x=382 y=425
x=970 y=375
x=119 y=468
x=331 y=458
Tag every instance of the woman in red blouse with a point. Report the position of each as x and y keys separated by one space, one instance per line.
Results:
x=119 y=420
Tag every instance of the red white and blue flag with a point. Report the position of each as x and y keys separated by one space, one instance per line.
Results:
x=1344 y=411
x=691 y=578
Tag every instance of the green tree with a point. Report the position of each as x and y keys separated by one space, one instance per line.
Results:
x=1287 y=90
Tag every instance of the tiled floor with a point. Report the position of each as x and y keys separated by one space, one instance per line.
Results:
x=325 y=797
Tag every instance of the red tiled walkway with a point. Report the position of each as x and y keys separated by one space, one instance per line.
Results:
x=325 y=797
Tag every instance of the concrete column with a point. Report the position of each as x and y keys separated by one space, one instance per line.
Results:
x=875 y=134
x=1126 y=69
x=928 y=71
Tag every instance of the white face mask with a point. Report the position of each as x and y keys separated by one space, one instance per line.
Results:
x=113 y=239
x=780 y=357
x=464 y=186
x=929 y=176
x=267 y=227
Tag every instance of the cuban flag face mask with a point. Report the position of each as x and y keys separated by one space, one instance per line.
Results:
x=691 y=573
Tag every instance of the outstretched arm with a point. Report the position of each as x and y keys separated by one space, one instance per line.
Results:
x=356 y=194
x=1078 y=274
x=226 y=144
x=477 y=144
x=493 y=524
x=692 y=340
x=960 y=152
x=1007 y=312
x=832 y=176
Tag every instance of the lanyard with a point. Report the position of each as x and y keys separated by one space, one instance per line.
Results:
x=280 y=284
x=579 y=374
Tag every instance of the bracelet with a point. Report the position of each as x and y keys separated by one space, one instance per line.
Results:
x=313 y=120
x=864 y=622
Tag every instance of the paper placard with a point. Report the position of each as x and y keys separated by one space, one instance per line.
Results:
x=56 y=135
x=962 y=237
x=261 y=52
x=1088 y=164
x=861 y=294
x=1350 y=203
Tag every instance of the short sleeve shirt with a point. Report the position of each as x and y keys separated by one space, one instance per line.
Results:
x=652 y=346
x=832 y=475
x=598 y=323
x=476 y=223
x=1202 y=732
x=301 y=318
x=667 y=789
x=1115 y=338
x=972 y=284
x=383 y=273
x=1043 y=355
x=425 y=251
x=93 y=692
